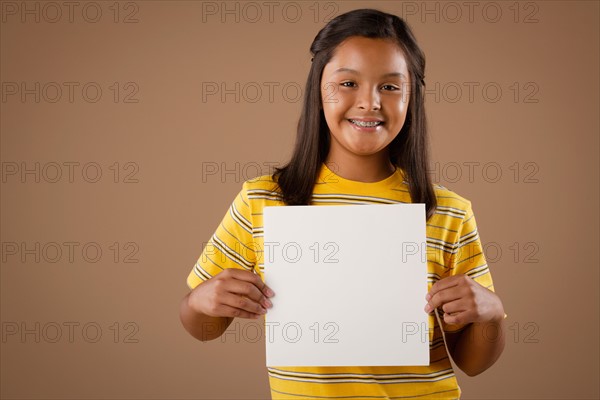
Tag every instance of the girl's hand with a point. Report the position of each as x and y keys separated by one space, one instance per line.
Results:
x=232 y=293
x=464 y=301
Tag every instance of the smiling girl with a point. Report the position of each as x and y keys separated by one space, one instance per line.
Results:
x=362 y=139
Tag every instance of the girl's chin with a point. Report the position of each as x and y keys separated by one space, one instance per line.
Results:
x=363 y=144
x=364 y=149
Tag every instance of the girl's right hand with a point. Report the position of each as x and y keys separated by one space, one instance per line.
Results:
x=232 y=293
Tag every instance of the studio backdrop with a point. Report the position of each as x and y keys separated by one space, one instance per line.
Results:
x=128 y=127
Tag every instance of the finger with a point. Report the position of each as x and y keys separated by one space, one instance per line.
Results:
x=249 y=290
x=254 y=279
x=455 y=306
x=463 y=317
x=243 y=303
x=444 y=283
x=444 y=296
x=228 y=311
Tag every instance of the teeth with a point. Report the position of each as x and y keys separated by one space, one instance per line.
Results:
x=366 y=124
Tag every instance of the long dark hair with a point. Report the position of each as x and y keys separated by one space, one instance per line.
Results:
x=409 y=150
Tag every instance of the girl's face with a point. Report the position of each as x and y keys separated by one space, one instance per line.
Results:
x=366 y=80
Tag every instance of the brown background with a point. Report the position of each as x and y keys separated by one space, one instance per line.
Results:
x=548 y=211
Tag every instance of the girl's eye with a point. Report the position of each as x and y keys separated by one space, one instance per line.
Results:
x=386 y=87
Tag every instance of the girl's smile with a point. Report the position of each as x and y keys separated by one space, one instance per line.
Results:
x=366 y=125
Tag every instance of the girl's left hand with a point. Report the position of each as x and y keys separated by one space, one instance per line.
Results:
x=464 y=301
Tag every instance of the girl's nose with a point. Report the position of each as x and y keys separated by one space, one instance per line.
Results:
x=368 y=99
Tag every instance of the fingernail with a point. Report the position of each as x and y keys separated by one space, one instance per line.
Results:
x=427 y=297
x=270 y=293
x=263 y=311
x=427 y=308
x=268 y=303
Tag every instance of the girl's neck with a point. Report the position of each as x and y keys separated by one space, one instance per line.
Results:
x=373 y=168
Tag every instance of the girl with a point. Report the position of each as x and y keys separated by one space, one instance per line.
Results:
x=362 y=139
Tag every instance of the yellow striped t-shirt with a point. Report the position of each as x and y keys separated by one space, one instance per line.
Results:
x=453 y=247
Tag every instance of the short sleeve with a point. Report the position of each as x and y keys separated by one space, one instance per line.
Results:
x=231 y=245
x=468 y=258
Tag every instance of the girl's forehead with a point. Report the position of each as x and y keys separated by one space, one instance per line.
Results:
x=359 y=53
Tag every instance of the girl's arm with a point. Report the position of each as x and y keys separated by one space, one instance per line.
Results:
x=478 y=346
x=207 y=311
x=465 y=302
x=202 y=327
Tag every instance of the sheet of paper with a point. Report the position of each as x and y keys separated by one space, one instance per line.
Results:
x=350 y=284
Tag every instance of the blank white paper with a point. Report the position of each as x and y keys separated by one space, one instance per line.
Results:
x=350 y=284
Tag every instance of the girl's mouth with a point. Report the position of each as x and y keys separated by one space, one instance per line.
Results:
x=365 y=126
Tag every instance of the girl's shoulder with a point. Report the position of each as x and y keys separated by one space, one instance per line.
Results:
x=452 y=209
x=265 y=182
x=261 y=188
x=449 y=198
